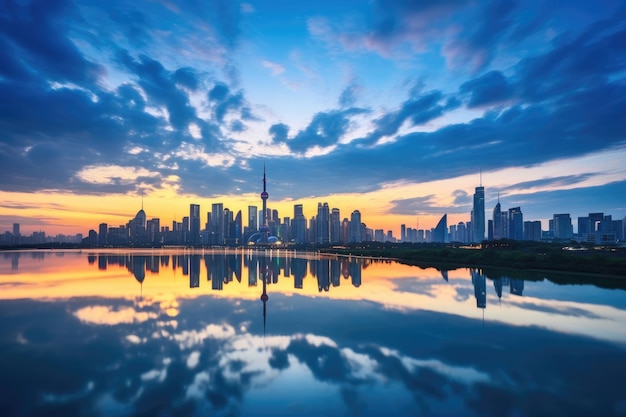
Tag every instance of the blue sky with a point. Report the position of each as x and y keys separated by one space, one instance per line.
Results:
x=395 y=105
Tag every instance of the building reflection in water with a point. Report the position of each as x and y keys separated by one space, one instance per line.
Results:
x=224 y=268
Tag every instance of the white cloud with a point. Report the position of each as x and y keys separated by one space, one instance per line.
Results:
x=113 y=174
x=276 y=69
x=193 y=152
x=194 y=131
x=108 y=316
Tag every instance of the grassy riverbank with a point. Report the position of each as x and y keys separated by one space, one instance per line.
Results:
x=502 y=254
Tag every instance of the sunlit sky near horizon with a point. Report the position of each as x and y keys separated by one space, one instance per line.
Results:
x=390 y=107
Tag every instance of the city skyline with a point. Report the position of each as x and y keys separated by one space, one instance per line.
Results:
x=391 y=108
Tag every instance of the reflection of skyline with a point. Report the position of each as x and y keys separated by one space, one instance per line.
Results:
x=77 y=274
x=516 y=286
x=222 y=269
x=247 y=268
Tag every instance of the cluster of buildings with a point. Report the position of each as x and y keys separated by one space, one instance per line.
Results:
x=223 y=226
x=14 y=237
x=596 y=228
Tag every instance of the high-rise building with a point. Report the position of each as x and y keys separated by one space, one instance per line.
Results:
x=153 y=230
x=16 y=230
x=194 y=224
x=323 y=223
x=217 y=223
x=516 y=224
x=440 y=232
x=403 y=232
x=345 y=231
x=563 y=228
x=253 y=219
x=355 y=227
x=185 y=229
x=103 y=229
x=532 y=230
x=235 y=233
x=137 y=227
x=499 y=219
x=335 y=226
x=478 y=214
x=298 y=225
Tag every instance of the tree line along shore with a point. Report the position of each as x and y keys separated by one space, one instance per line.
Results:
x=509 y=254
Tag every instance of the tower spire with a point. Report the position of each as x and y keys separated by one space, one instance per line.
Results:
x=481 y=177
x=264 y=229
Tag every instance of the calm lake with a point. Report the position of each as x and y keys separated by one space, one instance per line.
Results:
x=277 y=333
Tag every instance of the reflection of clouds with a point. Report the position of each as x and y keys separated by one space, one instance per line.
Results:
x=221 y=370
x=65 y=398
x=108 y=316
x=465 y=375
x=318 y=341
x=191 y=338
x=134 y=339
x=193 y=359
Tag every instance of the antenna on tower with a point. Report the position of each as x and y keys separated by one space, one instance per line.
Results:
x=481 y=177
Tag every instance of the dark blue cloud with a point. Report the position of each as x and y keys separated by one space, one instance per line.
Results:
x=478 y=41
x=325 y=129
x=412 y=205
x=490 y=88
x=225 y=102
x=349 y=95
x=392 y=22
x=161 y=86
x=34 y=32
x=279 y=132
x=419 y=109
x=587 y=61
x=134 y=23
x=549 y=182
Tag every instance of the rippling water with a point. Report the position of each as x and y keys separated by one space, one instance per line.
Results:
x=179 y=333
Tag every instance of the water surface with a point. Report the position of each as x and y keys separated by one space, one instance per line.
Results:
x=180 y=333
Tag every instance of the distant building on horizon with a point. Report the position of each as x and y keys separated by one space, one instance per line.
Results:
x=440 y=232
x=478 y=215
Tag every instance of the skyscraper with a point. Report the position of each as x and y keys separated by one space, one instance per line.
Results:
x=217 y=223
x=498 y=222
x=335 y=226
x=355 y=227
x=516 y=224
x=323 y=223
x=478 y=215
x=102 y=234
x=298 y=224
x=440 y=232
x=253 y=219
x=194 y=224
x=563 y=228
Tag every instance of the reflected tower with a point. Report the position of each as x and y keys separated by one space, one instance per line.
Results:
x=264 y=296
